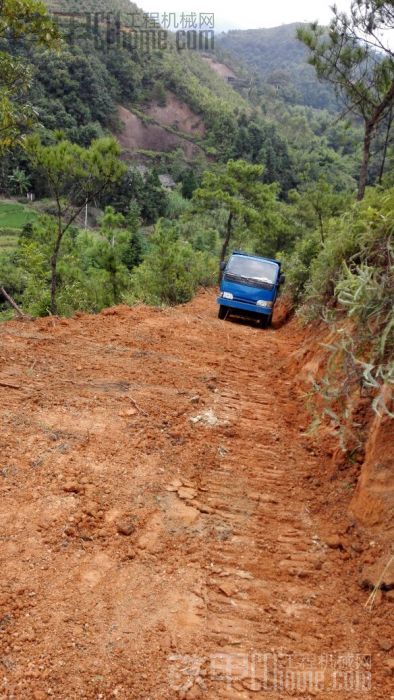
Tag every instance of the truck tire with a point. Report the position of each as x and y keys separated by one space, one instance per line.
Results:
x=266 y=321
x=222 y=313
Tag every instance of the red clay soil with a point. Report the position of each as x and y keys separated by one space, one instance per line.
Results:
x=166 y=527
x=137 y=135
x=176 y=114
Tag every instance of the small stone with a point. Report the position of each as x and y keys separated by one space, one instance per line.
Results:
x=357 y=547
x=334 y=542
x=390 y=665
x=39 y=695
x=195 y=399
x=72 y=487
x=385 y=644
x=228 y=588
x=125 y=527
x=177 y=483
x=187 y=493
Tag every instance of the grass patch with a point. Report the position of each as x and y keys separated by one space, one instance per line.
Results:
x=14 y=216
x=7 y=241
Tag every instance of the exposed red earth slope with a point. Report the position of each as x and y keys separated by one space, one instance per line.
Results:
x=166 y=516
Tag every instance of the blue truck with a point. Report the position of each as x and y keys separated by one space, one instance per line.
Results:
x=249 y=286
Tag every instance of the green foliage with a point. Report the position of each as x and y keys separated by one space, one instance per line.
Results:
x=20 y=20
x=359 y=63
x=171 y=271
x=251 y=207
x=280 y=61
x=75 y=176
x=361 y=235
x=177 y=205
x=145 y=191
x=351 y=286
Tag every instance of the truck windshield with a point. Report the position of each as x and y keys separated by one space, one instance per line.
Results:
x=252 y=269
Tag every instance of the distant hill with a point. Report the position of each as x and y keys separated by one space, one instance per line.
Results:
x=279 y=60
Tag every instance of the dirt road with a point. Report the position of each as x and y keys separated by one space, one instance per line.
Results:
x=166 y=530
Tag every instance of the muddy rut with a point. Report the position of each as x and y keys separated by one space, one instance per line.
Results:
x=165 y=527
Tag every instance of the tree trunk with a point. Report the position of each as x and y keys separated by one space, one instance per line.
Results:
x=54 y=258
x=225 y=243
x=321 y=225
x=366 y=154
x=12 y=303
x=386 y=144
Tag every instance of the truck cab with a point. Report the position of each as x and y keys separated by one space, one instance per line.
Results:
x=249 y=286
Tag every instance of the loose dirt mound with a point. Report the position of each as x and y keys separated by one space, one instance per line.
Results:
x=164 y=526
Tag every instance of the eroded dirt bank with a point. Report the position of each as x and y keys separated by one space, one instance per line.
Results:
x=167 y=529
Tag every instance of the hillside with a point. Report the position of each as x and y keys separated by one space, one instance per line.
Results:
x=101 y=76
x=170 y=108
x=278 y=60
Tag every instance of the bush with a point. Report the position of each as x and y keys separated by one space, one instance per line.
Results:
x=362 y=235
x=353 y=275
x=171 y=272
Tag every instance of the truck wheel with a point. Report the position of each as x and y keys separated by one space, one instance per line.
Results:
x=266 y=321
x=222 y=313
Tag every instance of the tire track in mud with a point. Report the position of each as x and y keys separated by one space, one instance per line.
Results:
x=187 y=432
x=264 y=586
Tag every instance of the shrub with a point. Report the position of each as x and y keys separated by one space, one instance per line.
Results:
x=172 y=270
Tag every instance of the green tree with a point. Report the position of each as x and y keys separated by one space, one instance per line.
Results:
x=355 y=58
x=171 y=271
x=189 y=182
x=316 y=204
x=20 y=180
x=75 y=176
x=238 y=190
x=25 y=20
x=154 y=198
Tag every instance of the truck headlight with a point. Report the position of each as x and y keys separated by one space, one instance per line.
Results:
x=264 y=304
x=227 y=295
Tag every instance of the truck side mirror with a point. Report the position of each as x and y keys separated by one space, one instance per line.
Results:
x=222 y=266
x=282 y=279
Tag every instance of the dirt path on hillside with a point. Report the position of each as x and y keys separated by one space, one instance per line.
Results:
x=163 y=530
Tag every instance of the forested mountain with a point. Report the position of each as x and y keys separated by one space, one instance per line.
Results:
x=278 y=59
x=97 y=83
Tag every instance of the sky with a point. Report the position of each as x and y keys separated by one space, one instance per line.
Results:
x=249 y=14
